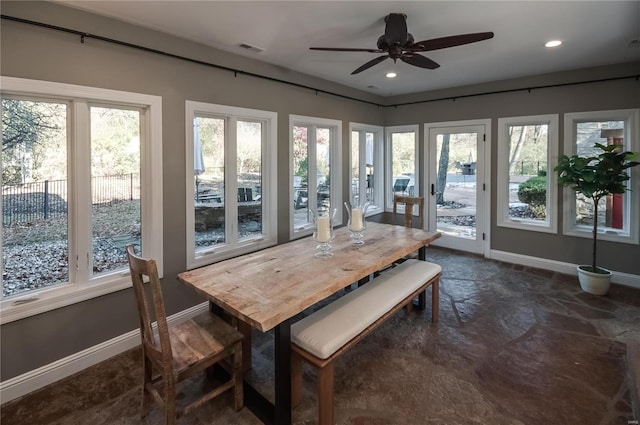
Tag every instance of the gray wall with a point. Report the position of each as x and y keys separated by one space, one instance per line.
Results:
x=42 y=54
x=597 y=96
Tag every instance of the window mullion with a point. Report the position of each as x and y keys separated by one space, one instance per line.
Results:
x=80 y=187
x=312 y=166
x=231 y=180
x=362 y=164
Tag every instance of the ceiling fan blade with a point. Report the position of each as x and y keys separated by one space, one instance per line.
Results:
x=346 y=49
x=395 y=32
x=451 y=41
x=419 y=60
x=370 y=64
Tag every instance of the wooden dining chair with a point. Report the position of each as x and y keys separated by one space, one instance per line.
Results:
x=177 y=352
x=409 y=202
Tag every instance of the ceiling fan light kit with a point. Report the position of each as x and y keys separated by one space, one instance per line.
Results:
x=398 y=43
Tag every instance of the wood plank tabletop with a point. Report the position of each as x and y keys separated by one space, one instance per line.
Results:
x=267 y=287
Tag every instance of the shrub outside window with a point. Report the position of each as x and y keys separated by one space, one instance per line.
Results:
x=527 y=154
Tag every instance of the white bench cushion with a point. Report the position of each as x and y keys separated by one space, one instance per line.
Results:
x=328 y=329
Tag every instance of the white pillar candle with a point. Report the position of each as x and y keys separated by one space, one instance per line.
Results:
x=324 y=229
x=356 y=219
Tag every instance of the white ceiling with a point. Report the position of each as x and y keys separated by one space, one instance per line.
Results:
x=593 y=33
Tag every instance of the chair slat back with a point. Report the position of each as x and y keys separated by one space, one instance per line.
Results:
x=139 y=269
x=409 y=202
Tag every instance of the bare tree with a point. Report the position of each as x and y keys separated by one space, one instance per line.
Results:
x=25 y=126
x=23 y=121
x=443 y=167
x=517 y=149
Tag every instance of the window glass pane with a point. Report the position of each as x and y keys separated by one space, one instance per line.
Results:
x=323 y=161
x=528 y=153
x=456 y=184
x=249 y=179
x=355 y=166
x=34 y=195
x=115 y=186
x=300 y=177
x=611 y=210
x=370 y=177
x=209 y=181
x=403 y=163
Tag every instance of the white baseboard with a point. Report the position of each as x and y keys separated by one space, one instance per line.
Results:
x=48 y=374
x=626 y=279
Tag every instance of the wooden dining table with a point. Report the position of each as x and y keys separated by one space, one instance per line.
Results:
x=266 y=289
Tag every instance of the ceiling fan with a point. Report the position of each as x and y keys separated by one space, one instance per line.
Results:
x=397 y=43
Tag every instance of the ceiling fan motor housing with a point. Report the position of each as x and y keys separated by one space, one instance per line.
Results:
x=383 y=45
x=398 y=43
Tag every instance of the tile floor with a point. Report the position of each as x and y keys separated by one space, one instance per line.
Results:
x=513 y=346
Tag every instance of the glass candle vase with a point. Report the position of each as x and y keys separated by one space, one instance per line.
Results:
x=357 y=223
x=323 y=219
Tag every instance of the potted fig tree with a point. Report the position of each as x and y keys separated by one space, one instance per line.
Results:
x=595 y=177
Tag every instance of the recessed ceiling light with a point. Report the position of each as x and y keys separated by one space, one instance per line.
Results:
x=553 y=43
x=391 y=75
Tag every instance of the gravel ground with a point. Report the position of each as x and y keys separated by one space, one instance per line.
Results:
x=44 y=264
x=35 y=253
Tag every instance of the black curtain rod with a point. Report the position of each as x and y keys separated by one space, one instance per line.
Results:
x=84 y=35
x=529 y=89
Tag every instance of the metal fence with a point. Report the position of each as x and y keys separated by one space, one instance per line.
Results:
x=27 y=202
x=529 y=168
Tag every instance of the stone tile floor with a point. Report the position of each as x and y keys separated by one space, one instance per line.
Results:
x=513 y=346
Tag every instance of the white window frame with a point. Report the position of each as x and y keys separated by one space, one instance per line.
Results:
x=233 y=247
x=80 y=99
x=631 y=117
x=389 y=131
x=550 y=225
x=378 y=162
x=335 y=127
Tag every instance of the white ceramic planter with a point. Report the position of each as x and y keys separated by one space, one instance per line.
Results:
x=594 y=283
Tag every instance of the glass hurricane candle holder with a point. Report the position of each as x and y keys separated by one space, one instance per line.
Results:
x=324 y=234
x=356 y=224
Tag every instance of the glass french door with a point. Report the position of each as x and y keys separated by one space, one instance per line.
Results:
x=456 y=195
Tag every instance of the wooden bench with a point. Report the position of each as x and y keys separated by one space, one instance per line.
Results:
x=323 y=336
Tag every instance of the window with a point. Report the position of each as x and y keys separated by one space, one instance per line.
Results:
x=81 y=178
x=367 y=166
x=315 y=152
x=231 y=181
x=527 y=154
x=582 y=131
x=402 y=162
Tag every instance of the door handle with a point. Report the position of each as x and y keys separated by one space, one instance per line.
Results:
x=433 y=189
